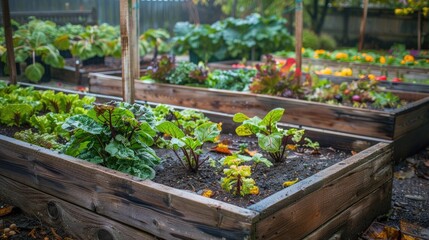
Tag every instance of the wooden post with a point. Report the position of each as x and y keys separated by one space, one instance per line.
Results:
x=363 y=24
x=129 y=21
x=9 y=41
x=298 y=39
x=419 y=29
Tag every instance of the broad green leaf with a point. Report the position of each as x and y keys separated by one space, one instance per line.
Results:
x=270 y=143
x=243 y=131
x=34 y=72
x=207 y=132
x=170 y=129
x=273 y=116
x=240 y=117
x=83 y=122
x=119 y=150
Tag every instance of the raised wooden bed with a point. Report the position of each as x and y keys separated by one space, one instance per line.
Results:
x=422 y=74
x=405 y=123
x=93 y=202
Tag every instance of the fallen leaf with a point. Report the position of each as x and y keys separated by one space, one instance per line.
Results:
x=412 y=231
x=222 y=148
x=381 y=231
x=5 y=210
x=401 y=175
x=291 y=147
x=57 y=237
x=251 y=153
x=32 y=233
x=353 y=152
x=290 y=183
x=207 y=193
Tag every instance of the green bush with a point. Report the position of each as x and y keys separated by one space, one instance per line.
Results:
x=327 y=42
x=310 y=39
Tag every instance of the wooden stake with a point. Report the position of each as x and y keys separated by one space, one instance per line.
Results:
x=9 y=41
x=298 y=39
x=419 y=30
x=129 y=21
x=363 y=25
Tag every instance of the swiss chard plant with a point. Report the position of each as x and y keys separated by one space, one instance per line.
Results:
x=186 y=132
x=277 y=142
x=190 y=145
x=114 y=136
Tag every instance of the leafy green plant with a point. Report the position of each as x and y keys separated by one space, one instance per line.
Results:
x=271 y=138
x=188 y=73
x=189 y=144
x=16 y=114
x=153 y=40
x=45 y=140
x=113 y=136
x=98 y=40
x=237 y=176
x=273 y=79
x=64 y=103
x=235 y=80
x=33 y=39
x=310 y=39
x=159 y=70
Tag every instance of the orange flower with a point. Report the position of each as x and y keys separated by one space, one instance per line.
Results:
x=382 y=60
x=408 y=58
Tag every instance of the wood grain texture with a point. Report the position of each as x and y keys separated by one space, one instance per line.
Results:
x=82 y=223
x=322 y=196
x=160 y=210
x=351 y=222
x=372 y=123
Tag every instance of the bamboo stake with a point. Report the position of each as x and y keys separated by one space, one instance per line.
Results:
x=9 y=41
x=363 y=24
x=298 y=39
x=129 y=23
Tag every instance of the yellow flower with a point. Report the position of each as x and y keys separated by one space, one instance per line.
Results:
x=398 y=11
x=371 y=76
x=254 y=190
x=402 y=62
x=326 y=71
x=369 y=58
x=382 y=60
x=341 y=55
x=408 y=58
x=302 y=50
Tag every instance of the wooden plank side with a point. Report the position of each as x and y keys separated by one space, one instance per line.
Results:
x=160 y=210
x=82 y=223
x=354 y=220
x=345 y=119
x=411 y=116
x=284 y=217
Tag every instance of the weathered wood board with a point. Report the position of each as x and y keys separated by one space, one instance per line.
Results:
x=372 y=123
